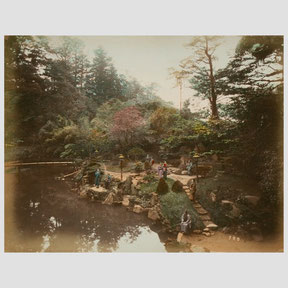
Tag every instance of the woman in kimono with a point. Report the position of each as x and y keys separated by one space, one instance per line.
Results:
x=186 y=222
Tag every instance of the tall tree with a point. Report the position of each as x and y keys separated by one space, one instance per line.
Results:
x=201 y=67
x=25 y=86
x=102 y=81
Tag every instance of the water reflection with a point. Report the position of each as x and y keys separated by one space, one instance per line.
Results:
x=43 y=214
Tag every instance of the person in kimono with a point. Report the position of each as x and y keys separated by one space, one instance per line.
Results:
x=160 y=170
x=186 y=222
x=97 y=178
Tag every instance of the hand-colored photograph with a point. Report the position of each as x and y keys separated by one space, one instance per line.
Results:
x=143 y=143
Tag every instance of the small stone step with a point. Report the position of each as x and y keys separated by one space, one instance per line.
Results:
x=212 y=226
x=201 y=211
x=207 y=223
x=190 y=196
x=205 y=217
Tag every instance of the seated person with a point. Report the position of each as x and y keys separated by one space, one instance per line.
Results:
x=186 y=222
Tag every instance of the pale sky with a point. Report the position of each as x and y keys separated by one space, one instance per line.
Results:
x=148 y=58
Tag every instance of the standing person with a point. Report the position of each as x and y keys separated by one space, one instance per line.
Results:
x=186 y=222
x=108 y=181
x=97 y=178
x=193 y=189
x=160 y=170
x=152 y=162
x=189 y=167
x=165 y=172
x=165 y=164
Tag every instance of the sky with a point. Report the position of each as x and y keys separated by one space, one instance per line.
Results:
x=148 y=58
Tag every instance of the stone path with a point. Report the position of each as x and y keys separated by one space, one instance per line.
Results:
x=203 y=214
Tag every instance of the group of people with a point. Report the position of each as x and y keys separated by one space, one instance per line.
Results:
x=162 y=170
x=98 y=176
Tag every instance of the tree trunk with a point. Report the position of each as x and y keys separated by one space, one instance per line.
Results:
x=213 y=97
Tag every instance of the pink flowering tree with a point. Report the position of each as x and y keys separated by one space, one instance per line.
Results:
x=126 y=125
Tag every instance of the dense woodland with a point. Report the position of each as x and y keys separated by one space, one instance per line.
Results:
x=61 y=105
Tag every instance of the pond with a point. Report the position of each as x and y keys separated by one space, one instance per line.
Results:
x=44 y=214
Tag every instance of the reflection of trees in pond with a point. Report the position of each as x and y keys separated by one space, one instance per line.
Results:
x=56 y=209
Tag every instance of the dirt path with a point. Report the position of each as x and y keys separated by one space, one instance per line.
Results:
x=220 y=242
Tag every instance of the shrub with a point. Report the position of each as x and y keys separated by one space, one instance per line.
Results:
x=136 y=153
x=162 y=187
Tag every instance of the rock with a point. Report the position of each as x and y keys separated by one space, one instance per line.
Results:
x=212 y=226
x=213 y=197
x=177 y=186
x=153 y=214
x=125 y=201
x=138 y=209
x=109 y=199
x=162 y=187
x=206 y=229
x=201 y=211
x=197 y=231
x=133 y=190
x=179 y=237
x=83 y=194
x=205 y=217
x=252 y=199
x=235 y=212
x=127 y=185
x=184 y=172
x=154 y=199
x=198 y=249
x=207 y=234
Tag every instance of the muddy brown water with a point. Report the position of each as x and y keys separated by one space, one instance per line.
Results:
x=44 y=214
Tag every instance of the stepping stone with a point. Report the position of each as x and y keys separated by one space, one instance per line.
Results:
x=212 y=226
x=205 y=218
x=201 y=211
x=207 y=223
x=190 y=197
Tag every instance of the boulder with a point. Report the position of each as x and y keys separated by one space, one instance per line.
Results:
x=212 y=226
x=198 y=249
x=153 y=214
x=252 y=199
x=177 y=186
x=83 y=194
x=138 y=209
x=154 y=199
x=127 y=185
x=109 y=199
x=213 y=197
x=184 y=172
x=125 y=201
x=179 y=237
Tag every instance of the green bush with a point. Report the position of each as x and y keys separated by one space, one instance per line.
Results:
x=136 y=153
x=173 y=206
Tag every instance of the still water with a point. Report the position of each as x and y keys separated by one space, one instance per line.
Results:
x=43 y=214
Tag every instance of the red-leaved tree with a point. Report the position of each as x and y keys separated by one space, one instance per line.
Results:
x=126 y=124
